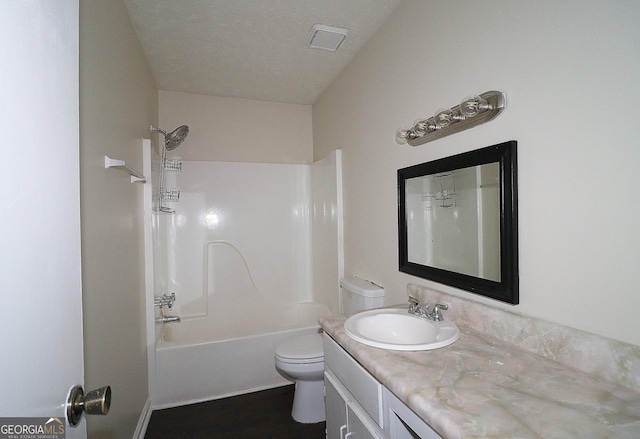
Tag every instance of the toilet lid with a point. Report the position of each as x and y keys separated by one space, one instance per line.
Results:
x=305 y=347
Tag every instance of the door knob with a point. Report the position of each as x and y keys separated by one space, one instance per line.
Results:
x=95 y=402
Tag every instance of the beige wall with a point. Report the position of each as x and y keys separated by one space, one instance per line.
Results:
x=238 y=130
x=118 y=102
x=570 y=72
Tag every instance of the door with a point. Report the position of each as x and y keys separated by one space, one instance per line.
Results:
x=40 y=279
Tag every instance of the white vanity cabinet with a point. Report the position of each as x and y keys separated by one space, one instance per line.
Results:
x=355 y=411
x=359 y=407
x=346 y=419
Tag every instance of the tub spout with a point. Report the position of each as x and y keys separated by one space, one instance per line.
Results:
x=168 y=319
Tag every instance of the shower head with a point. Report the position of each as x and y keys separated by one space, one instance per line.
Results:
x=173 y=139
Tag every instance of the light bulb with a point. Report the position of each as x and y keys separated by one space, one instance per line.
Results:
x=423 y=126
x=402 y=135
x=444 y=118
x=473 y=105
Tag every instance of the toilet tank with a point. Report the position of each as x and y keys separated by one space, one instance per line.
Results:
x=357 y=294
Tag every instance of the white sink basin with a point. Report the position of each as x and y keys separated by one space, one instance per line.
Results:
x=396 y=329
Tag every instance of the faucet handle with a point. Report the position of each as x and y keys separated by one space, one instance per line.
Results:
x=414 y=304
x=436 y=314
x=165 y=300
x=417 y=308
x=170 y=299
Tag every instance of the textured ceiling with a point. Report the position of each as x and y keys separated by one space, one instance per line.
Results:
x=254 y=49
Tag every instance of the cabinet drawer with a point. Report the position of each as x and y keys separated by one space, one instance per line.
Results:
x=364 y=388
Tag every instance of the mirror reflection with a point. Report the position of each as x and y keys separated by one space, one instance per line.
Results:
x=453 y=220
x=457 y=221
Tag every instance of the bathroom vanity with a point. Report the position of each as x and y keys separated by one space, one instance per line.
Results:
x=357 y=403
x=536 y=380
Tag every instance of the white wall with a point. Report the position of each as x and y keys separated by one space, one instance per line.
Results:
x=239 y=130
x=570 y=72
x=118 y=102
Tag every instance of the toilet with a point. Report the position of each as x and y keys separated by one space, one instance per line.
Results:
x=302 y=358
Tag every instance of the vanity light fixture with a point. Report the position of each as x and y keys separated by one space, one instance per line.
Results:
x=472 y=111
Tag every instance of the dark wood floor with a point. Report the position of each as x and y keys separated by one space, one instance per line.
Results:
x=265 y=414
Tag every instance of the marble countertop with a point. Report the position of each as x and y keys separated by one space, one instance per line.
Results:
x=483 y=387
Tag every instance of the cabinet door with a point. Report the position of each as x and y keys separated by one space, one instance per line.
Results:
x=358 y=426
x=335 y=408
x=404 y=423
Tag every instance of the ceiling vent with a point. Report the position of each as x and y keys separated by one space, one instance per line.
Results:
x=325 y=37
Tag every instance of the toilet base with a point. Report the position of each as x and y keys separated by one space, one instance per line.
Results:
x=308 y=402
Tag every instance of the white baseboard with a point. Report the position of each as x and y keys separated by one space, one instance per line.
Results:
x=143 y=422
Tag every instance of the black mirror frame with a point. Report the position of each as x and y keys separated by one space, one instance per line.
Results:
x=507 y=289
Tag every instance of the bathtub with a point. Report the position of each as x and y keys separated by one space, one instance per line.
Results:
x=195 y=364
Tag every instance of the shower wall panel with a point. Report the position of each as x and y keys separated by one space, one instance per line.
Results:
x=261 y=209
x=327 y=229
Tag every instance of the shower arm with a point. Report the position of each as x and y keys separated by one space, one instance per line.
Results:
x=160 y=130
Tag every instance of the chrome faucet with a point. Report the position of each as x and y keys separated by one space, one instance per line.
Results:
x=418 y=309
x=165 y=300
x=168 y=319
x=436 y=315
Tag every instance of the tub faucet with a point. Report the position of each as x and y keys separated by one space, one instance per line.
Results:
x=165 y=300
x=168 y=319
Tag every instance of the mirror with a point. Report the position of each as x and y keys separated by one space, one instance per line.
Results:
x=458 y=221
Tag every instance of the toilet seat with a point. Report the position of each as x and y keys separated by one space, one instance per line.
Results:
x=301 y=350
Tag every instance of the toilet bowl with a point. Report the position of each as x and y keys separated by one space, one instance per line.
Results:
x=302 y=359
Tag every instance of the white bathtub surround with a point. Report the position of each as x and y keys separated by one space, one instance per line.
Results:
x=262 y=211
x=254 y=221
x=509 y=376
x=240 y=255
